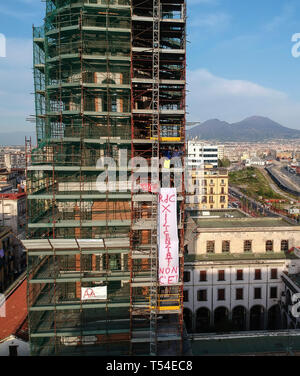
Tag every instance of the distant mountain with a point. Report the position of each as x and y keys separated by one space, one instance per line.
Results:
x=192 y=124
x=16 y=138
x=255 y=128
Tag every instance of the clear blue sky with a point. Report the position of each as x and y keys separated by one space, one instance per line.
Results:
x=239 y=60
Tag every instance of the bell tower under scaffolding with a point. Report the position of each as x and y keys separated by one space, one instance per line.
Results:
x=110 y=82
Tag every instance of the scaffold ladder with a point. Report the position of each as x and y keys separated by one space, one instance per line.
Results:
x=155 y=179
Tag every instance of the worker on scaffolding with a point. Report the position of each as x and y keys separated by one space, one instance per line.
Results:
x=177 y=155
x=167 y=155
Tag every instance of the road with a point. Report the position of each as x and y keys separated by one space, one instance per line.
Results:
x=275 y=187
x=287 y=179
x=294 y=178
x=257 y=205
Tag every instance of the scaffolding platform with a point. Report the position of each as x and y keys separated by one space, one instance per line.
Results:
x=109 y=77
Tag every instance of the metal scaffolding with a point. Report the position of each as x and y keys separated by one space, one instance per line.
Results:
x=158 y=115
x=109 y=81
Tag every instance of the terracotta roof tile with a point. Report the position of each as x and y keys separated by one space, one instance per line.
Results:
x=16 y=312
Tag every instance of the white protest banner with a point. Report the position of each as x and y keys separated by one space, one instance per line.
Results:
x=94 y=293
x=168 y=243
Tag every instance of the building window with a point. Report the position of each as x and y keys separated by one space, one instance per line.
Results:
x=273 y=292
x=257 y=293
x=239 y=294
x=210 y=246
x=284 y=245
x=257 y=275
x=202 y=295
x=274 y=274
x=203 y=276
x=114 y=103
x=221 y=275
x=185 y=295
x=186 y=277
x=221 y=294
x=248 y=246
x=239 y=275
x=269 y=246
x=226 y=246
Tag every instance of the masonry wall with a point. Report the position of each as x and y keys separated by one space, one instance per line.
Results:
x=230 y=285
x=236 y=237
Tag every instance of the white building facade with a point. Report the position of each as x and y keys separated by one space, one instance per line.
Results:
x=13 y=346
x=200 y=154
x=233 y=274
x=13 y=212
x=244 y=293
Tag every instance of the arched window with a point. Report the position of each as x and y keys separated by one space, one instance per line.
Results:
x=221 y=322
x=274 y=318
x=239 y=318
x=257 y=318
x=188 y=319
x=202 y=320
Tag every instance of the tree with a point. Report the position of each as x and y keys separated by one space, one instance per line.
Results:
x=224 y=162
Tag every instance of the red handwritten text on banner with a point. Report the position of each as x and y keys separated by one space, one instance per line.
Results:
x=168 y=237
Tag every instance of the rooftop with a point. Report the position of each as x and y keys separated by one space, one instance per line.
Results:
x=238 y=223
x=254 y=343
x=15 y=318
x=211 y=172
x=241 y=257
x=215 y=214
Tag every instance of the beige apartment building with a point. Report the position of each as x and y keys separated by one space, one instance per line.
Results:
x=242 y=235
x=13 y=212
x=12 y=258
x=233 y=271
x=211 y=192
x=283 y=155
